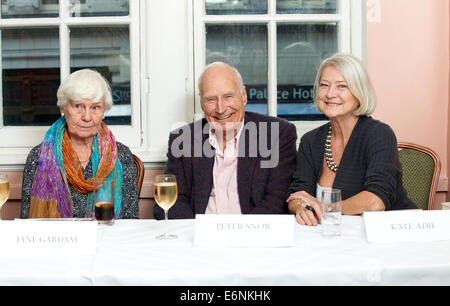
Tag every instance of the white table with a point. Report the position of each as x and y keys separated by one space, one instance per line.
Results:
x=128 y=254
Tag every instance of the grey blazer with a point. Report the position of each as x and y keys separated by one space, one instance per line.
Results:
x=261 y=190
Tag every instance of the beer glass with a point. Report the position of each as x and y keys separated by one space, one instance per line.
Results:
x=4 y=191
x=104 y=201
x=165 y=192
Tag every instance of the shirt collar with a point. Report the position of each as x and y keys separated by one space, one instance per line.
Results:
x=233 y=141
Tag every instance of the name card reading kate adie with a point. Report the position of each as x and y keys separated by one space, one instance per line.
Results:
x=244 y=230
x=48 y=237
x=407 y=225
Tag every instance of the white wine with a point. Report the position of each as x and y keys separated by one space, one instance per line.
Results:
x=4 y=191
x=165 y=191
x=165 y=194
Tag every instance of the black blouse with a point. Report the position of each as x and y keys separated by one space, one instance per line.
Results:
x=370 y=162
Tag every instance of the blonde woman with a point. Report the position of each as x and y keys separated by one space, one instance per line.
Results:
x=353 y=152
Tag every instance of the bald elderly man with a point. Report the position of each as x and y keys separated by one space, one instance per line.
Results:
x=232 y=161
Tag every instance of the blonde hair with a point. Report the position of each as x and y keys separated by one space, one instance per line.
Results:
x=357 y=79
x=84 y=84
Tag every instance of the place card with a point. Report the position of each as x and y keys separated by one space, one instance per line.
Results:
x=244 y=230
x=71 y=238
x=407 y=225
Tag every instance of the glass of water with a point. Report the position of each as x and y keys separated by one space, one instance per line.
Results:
x=331 y=216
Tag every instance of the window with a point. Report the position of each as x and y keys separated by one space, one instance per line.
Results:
x=43 y=41
x=277 y=45
x=153 y=51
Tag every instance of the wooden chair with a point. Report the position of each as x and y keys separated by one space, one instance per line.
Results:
x=421 y=169
x=140 y=172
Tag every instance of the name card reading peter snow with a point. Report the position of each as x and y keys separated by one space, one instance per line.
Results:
x=48 y=237
x=407 y=225
x=244 y=230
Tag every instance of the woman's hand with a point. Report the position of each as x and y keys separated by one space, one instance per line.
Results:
x=307 y=210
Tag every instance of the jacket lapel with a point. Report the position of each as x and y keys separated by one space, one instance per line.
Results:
x=246 y=165
x=202 y=176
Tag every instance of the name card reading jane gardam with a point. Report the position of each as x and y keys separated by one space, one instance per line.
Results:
x=48 y=237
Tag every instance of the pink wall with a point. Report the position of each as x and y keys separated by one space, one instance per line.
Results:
x=408 y=59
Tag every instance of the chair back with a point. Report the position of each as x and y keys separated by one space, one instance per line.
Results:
x=140 y=172
x=421 y=169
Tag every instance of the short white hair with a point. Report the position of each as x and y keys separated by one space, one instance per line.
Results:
x=84 y=84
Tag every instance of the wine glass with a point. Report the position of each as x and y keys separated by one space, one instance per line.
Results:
x=165 y=191
x=4 y=191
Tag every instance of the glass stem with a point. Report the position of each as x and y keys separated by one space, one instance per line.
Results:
x=166 y=214
x=166 y=219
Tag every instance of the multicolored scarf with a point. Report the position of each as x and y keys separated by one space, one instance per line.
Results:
x=58 y=166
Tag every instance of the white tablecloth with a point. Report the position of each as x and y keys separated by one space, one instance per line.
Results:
x=128 y=254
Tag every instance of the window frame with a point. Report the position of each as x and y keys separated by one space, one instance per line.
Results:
x=350 y=19
x=16 y=141
x=165 y=66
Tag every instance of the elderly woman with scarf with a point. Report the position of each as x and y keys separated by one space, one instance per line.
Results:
x=58 y=175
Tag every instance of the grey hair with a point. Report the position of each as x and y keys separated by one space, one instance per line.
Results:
x=357 y=79
x=214 y=64
x=84 y=84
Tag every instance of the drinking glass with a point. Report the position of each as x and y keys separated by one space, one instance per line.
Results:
x=104 y=201
x=331 y=212
x=4 y=191
x=165 y=193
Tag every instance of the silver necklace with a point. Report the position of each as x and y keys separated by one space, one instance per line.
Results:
x=328 y=155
